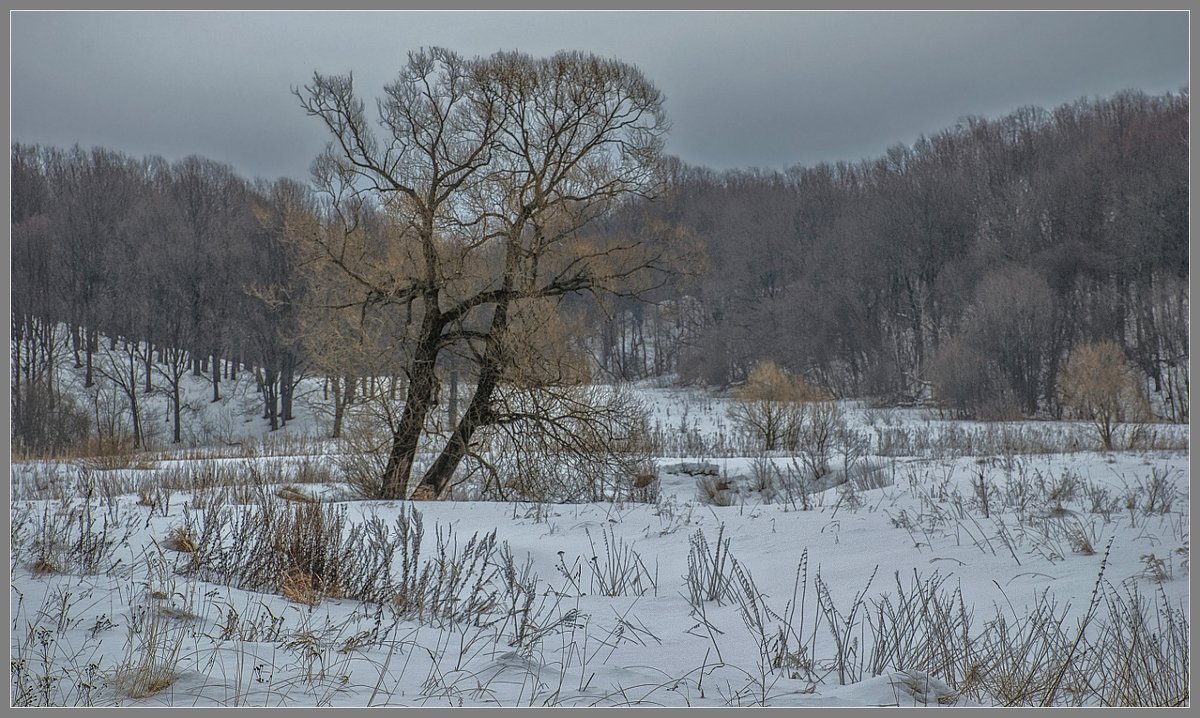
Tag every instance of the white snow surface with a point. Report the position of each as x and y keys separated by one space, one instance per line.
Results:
x=920 y=519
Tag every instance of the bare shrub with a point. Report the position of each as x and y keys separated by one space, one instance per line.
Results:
x=870 y=476
x=1003 y=439
x=525 y=622
x=644 y=487
x=1159 y=492
x=1139 y=653
x=565 y=445
x=818 y=433
x=455 y=584
x=1101 y=500
x=769 y=406
x=1099 y=384
x=787 y=485
x=847 y=660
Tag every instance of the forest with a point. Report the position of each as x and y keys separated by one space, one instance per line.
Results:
x=957 y=272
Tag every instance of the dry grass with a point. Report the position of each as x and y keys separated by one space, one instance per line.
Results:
x=715 y=490
x=73 y=537
x=179 y=540
x=291 y=493
x=300 y=587
x=1124 y=650
x=151 y=659
x=96 y=453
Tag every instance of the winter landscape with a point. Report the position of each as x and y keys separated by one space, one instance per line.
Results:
x=506 y=404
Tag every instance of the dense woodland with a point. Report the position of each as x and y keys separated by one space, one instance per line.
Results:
x=959 y=271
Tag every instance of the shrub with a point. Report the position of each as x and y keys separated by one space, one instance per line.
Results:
x=770 y=405
x=822 y=429
x=1100 y=385
x=565 y=445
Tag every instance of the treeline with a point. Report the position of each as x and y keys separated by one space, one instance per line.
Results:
x=962 y=269
x=158 y=268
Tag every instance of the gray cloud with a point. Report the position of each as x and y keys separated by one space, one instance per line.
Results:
x=743 y=89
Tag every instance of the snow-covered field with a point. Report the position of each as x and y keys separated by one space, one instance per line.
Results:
x=962 y=564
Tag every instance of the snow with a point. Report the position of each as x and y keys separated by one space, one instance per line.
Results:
x=227 y=646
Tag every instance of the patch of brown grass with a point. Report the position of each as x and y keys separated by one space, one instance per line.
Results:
x=179 y=540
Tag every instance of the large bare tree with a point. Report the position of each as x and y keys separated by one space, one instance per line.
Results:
x=478 y=177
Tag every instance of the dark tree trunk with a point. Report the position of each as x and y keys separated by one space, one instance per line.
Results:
x=149 y=366
x=420 y=402
x=216 y=376
x=177 y=410
x=134 y=409
x=92 y=342
x=76 y=345
x=478 y=414
x=270 y=384
x=287 y=387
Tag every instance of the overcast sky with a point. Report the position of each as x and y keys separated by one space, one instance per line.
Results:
x=743 y=89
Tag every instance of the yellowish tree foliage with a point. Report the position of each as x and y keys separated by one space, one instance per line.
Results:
x=1100 y=384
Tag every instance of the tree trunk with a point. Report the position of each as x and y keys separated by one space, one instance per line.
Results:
x=149 y=366
x=287 y=387
x=177 y=408
x=89 y=379
x=420 y=402
x=270 y=383
x=339 y=409
x=478 y=414
x=131 y=391
x=216 y=375
x=76 y=345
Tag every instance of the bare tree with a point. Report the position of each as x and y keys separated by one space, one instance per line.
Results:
x=1011 y=324
x=486 y=170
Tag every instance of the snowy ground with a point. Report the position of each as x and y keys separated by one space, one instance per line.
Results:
x=783 y=597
